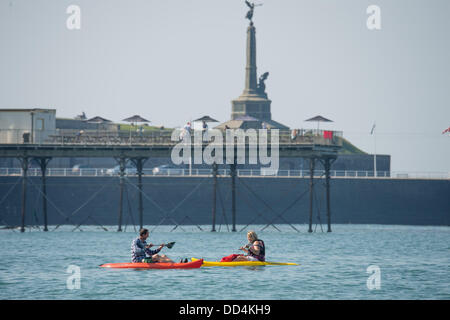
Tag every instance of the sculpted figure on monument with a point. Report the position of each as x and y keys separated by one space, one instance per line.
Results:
x=252 y=6
x=262 y=85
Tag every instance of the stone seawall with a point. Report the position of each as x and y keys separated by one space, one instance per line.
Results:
x=184 y=200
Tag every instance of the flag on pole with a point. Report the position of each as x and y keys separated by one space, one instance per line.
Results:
x=373 y=128
x=446 y=130
x=327 y=134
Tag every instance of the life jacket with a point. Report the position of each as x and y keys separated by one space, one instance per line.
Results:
x=262 y=251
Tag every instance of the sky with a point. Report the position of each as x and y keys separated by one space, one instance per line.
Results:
x=172 y=61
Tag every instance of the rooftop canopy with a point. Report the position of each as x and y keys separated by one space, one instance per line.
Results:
x=320 y=119
x=98 y=120
x=136 y=118
x=206 y=119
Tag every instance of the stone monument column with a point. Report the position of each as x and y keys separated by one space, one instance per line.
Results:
x=250 y=69
x=251 y=102
x=252 y=108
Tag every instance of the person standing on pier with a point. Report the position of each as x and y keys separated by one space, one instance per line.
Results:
x=205 y=130
x=187 y=127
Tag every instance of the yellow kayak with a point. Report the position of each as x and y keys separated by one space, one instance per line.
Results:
x=243 y=263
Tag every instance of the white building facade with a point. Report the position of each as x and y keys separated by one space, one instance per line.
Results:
x=27 y=125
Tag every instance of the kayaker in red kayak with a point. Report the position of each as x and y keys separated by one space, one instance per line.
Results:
x=140 y=248
x=255 y=249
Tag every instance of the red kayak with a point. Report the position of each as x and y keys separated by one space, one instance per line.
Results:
x=142 y=265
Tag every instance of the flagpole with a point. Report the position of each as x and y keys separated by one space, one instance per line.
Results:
x=375 y=150
x=375 y=154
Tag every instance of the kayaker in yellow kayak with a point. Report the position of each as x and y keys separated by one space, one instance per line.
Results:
x=255 y=249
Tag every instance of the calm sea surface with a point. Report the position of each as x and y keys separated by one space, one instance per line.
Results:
x=414 y=263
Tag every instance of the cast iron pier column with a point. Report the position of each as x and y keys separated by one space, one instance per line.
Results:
x=24 y=162
x=139 y=163
x=43 y=162
x=214 y=172
x=311 y=190
x=122 y=162
x=327 y=186
x=233 y=194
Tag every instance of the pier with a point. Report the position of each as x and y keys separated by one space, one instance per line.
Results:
x=311 y=146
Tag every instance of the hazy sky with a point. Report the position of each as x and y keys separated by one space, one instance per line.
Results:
x=175 y=60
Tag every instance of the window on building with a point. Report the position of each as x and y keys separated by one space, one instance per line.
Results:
x=39 y=124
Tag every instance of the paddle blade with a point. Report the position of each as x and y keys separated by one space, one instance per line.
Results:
x=170 y=245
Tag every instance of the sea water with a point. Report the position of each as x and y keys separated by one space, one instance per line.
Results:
x=352 y=262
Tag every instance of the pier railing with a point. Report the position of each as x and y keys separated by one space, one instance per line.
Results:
x=149 y=137
x=175 y=172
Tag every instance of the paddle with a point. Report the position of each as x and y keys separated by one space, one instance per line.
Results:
x=168 y=245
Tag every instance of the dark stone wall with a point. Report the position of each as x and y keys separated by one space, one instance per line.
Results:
x=359 y=201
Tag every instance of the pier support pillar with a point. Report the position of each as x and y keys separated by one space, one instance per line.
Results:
x=214 y=206
x=122 y=162
x=312 y=163
x=327 y=186
x=139 y=163
x=43 y=162
x=24 y=162
x=233 y=195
